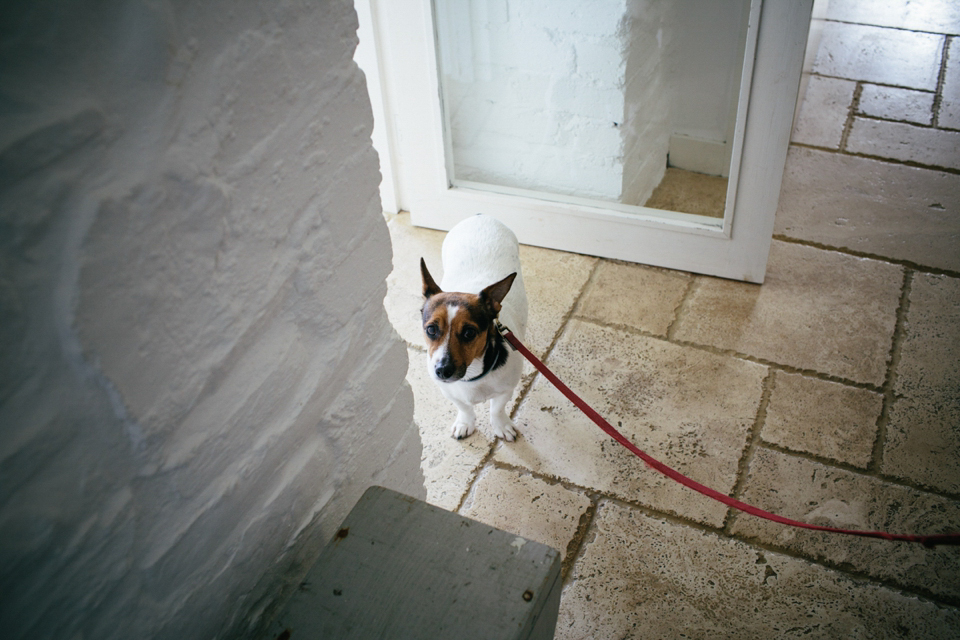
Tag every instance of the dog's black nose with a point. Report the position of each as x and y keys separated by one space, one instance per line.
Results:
x=445 y=369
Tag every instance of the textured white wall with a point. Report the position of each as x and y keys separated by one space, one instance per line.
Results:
x=197 y=375
x=534 y=93
x=704 y=64
x=580 y=97
x=648 y=33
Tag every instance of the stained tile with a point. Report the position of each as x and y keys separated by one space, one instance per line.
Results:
x=629 y=294
x=447 y=464
x=892 y=103
x=817 y=494
x=523 y=505
x=690 y=408
x=823 y=114
x=905 y=142
x=880 y=55
x=642 y=577
x=869 y=206
x=817 y=310
x=949 y=116
x=824 y=418
x=922 y=439
x=939 y=16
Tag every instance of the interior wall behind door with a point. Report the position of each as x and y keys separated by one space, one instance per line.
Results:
x=589 y=97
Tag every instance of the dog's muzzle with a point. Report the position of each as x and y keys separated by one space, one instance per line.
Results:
x=446 y=370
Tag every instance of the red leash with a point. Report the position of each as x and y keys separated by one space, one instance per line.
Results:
x=929 y=541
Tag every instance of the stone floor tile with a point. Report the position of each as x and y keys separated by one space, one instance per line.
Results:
x=880 y=55
x=554 y=280
x=874 y=207
x=404 y=285
x=824 y=418
x=448 y=464
x=823 y=113
x=630 y=294
x=690 y=408
x=818 y=494
x=905 y=142
x=939 y=16
x=949 y=116
x=526 y=506
x=922 y=442
x=817 y=310
x=891 y=103
x=642 y=577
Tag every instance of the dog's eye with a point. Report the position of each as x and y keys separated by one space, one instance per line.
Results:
x=432 y=331
x=469 y=334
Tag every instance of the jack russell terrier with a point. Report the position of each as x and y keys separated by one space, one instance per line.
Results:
x=467 y=356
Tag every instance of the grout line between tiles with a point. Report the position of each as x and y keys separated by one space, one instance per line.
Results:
x=873 y=118
x=574 y=308
x=522 y=396
x=884 y=26
x=906 y=163
x=577 y=544
x=867 y=156
x=851 y=116
x=825 y=461
x=859 y=471
x=475 y=473
x=680 y=311
x=877 y=83
x=889 y=396
x=872 y=256
x=600 y=494
x=753 y=440
x=849 y=571
x=581 y=539
x=938 y=95
x=778 y=366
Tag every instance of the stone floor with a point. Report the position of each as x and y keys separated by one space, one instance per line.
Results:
x=830 y=394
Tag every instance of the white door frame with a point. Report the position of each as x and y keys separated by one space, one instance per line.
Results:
x=406 y=80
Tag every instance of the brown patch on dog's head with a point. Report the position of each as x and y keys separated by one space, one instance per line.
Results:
x=457 y=326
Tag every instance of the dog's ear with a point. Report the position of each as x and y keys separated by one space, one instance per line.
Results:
x=495 y=293
x=430 y=287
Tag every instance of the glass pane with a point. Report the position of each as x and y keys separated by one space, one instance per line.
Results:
x=631 y=102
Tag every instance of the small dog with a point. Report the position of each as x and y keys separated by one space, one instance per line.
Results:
x=467 y=356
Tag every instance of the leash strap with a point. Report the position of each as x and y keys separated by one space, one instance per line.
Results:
x=928 y=541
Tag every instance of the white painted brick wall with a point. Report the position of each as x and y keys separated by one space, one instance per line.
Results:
x=548 y=92
x=197 y=375
x=580 y=97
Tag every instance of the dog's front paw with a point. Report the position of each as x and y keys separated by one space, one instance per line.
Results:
x=463 y=428
x=504 y=428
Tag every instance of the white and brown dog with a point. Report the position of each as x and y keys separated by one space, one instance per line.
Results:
x=467 y=356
